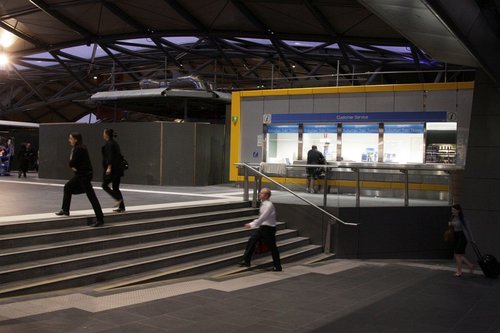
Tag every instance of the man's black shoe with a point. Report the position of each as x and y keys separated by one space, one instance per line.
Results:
x=62 y=213
x=277 y=269
x=244 y=264
x=98 y=224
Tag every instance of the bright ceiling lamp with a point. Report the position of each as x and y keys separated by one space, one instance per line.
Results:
x=6 y=38
x=4 y=60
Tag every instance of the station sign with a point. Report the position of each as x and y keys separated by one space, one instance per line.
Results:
x=360 y=117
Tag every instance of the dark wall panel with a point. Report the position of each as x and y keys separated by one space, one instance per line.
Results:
x=481 y=187
x=140 y=144
x=209 y=154
x=179 y=152
x=394 y=232
x=384 y=232
x=158 y=153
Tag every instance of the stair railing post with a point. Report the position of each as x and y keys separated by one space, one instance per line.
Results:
x=325 y=188
x=255 y=191
x=406 y=192
x=246 y=195
x=450 y=187
x=358 y=187
x=328 y=236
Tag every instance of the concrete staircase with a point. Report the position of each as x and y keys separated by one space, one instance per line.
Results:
x=132 y=248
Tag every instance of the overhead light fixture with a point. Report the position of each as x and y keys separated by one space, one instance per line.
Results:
x=4 y=60
x=442 y=126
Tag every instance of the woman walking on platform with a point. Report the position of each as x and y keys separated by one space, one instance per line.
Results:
x=79 y=162
x=113 y=169
x=462 y=235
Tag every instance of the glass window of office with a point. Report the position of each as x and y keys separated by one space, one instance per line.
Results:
x=404 y=143
x=282 y=143
x=360 y=143
x=322 y=136
x=441 y=142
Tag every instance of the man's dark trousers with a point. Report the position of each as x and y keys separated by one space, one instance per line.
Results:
x=267 y=235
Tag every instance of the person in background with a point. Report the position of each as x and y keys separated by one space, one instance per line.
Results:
x=113 y=170
x=30 y=155
x=7 y=153
x=79 y=162
x=461 y=237
x=22 y=160
x=265 y=231
x=314 y=156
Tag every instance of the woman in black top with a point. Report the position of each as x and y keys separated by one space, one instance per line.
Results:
x=462 y=235
x=79 y=162
x=113 y=170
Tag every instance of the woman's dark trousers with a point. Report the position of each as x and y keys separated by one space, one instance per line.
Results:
x=78 y=185
x=115 y=192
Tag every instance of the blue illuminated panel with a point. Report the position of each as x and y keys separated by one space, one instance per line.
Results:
x=283 y=129
x=320 y=129
x=361 y=129
x=373 y=117
x=404 y=129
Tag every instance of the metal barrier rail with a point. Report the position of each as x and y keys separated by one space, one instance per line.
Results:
x=333 y=219
x=402 y=168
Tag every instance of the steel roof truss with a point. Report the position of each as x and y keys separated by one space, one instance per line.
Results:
x=125 y=17
x=33 y=88
x=165 y=51
x=82 y=83
x=186 y=14
x=125 y=68
x=63 y=19
x=22 y=35
x=328 y=27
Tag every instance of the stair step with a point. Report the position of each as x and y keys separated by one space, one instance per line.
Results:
x=106 y=241
x=135 y=248
x=118 y=269
x=214 y=262
x=129 y=254
x=24 y=239
x=57 y=223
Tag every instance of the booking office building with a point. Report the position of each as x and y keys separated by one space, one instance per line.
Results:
x=385 y=124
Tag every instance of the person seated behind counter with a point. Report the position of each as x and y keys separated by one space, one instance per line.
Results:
x=314 y=156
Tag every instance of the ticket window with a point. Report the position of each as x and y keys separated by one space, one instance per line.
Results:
x=441 y=140
x=322 y=136
x=282 y=143
x=404 y=143
x=360 y=143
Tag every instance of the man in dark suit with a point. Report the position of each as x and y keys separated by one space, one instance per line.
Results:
x=314 y=156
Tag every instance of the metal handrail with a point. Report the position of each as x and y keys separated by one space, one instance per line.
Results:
x=356 y=167
x=377 y=166
x=295 y=194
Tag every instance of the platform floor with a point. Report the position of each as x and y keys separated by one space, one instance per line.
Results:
x=32 y=197
x=332 y=296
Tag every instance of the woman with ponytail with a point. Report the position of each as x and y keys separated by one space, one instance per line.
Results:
x=461 y=237
x=113 y=169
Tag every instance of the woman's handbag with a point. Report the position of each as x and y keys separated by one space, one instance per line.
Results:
x=449 y=234
x=124 y=163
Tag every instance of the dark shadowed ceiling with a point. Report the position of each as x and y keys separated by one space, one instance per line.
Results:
x=66 y=50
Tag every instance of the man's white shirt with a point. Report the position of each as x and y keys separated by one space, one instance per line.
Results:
x=267 y=215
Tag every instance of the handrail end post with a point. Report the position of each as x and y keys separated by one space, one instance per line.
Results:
x=328 y=237
x=246 y=195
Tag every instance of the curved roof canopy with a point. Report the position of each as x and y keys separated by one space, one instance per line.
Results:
x=63 y=51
